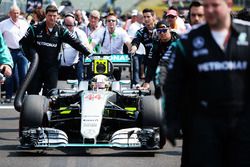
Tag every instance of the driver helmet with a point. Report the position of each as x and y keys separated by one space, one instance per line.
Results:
x=100 y=82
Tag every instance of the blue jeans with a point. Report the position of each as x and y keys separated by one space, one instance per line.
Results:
x=75 y=71
x=80 y=69
x=19 y=71
x=137 y=62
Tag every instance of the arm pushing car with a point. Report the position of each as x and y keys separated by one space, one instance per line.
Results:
x=6 y=62
x=46 y=39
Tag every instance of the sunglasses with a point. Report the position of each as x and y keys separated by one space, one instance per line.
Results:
x=111 y=21
x=69 y=25
x=171 y=16
x=162 y=30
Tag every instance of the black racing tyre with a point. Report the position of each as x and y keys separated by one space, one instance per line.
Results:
x=33 y=113
x=152 y=115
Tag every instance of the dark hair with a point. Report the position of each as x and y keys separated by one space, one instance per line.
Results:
x=111 y=14
x=162 y=23
x=51 y=8
x=173 y=8
x=39 y=13
x=244 y=14
x=195 y=4
x=147 y=10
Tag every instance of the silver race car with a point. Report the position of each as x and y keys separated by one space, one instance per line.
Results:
x=100 y=112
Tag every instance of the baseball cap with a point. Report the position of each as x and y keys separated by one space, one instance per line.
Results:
x=172 y=12
x=95 y=13
x=134 y=12
x=162 y=24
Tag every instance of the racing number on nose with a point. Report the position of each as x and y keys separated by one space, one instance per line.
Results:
x=93 y=96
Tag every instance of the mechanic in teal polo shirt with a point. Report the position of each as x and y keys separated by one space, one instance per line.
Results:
x=6 y=62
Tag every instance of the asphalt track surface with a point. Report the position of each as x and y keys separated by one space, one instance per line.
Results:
x=11 y=156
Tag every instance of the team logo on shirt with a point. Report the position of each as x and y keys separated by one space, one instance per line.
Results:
x=198 y=42
x=242 y=39
x=222 y=66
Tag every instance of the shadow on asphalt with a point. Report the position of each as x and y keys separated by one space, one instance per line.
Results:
x=171 y=153
x=9 y=118
x=7 y=139
x=15 y=152
x=82 y=153
x=8 y=147
x=8 y=130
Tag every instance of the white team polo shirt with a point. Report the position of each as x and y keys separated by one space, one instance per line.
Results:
x=70 y=55
x=133 y=28
x=13 y=32
x=113 y=43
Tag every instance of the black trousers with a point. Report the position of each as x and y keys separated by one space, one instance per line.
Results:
x=46 y=78
x=67 y=72
x=211 y=140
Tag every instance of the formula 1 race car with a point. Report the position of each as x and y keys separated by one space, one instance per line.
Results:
x=101 y=112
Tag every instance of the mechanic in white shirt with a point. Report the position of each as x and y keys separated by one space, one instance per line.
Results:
x=93 y=26
x=140 y=53
x=71 y=62
x=111 y=39
x=13 y=29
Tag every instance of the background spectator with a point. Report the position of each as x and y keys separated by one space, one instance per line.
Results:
x=196 y=13
x=71 y=61
x=138 y=69
x=38 y=15
x=13 y=29
x=176 y=23
x=111 y=39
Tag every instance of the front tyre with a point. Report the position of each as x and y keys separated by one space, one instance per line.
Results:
x=152 y=115
x=33 y=113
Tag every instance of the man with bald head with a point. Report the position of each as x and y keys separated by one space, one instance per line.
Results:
x=13 y=29
x=71 y=61
x=208 y=85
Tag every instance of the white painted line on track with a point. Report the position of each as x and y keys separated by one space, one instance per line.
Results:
x=7 y=107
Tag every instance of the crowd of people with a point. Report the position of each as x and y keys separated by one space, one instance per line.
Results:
x=199 y=65
x=99 y=33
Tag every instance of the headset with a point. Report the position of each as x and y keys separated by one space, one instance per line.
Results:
x=70 y=15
